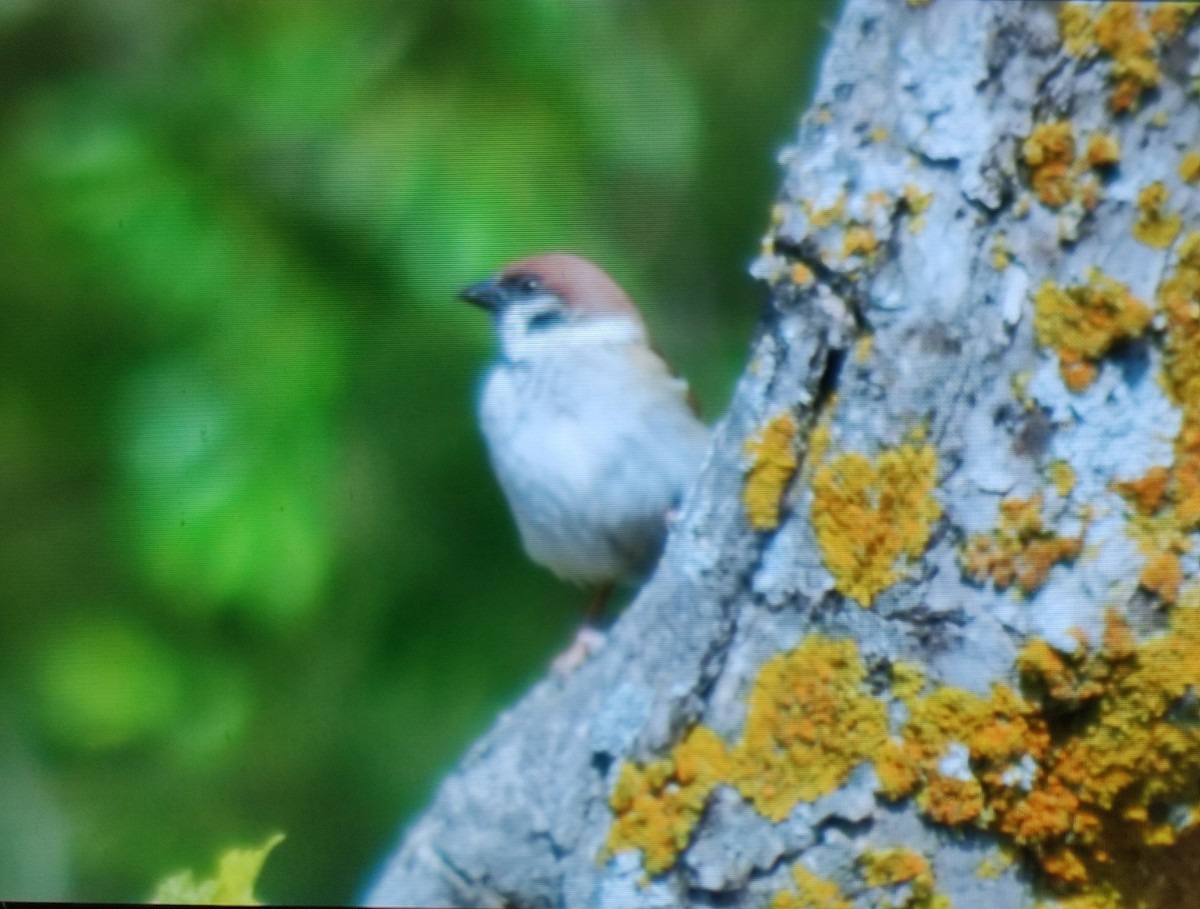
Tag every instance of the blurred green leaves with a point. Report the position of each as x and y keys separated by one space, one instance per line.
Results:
x=255 y=569
x=105 y=682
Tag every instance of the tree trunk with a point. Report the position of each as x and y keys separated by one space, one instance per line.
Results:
x=923 y=631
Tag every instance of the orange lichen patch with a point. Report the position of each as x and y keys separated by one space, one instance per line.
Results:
x=1155 y=226
x=1121 y=33
x=1105 y=751
x=897 y=771
x=1162 y=575
x=1132 y=41
x=802 y=275
x=952 y=801
x=1049 y=152
x=859 y=241
x=900 y=867
x=1189 y=166
x=866 y=516
x=773 y=463
x=810 y=724
x=1103 y=150
x=655 y=807
x=812 y=892
x=1147 y=492
x=1167 y=19
x=1062 y=475
x=1084 y=321
x=1020 y=550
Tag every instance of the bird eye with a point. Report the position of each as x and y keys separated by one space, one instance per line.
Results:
x=530 y=284
x=546 y=319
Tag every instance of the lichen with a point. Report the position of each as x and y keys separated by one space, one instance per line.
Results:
x=1189 y=166
x=917 y=203
x=1121 y=34
x=1133 y=42
x=809 y=724
x=903 y=868
x=860 y=240
x=802 y=275
x=1103 y=150
x=1001 y=251
x=1166 y=499
x=656 y=806
x=1062 y=475
x=1155 y=226
x=1021 y=550
x=868 y=516
x=1049 y=152
x=1084 y=321
x=1111 y=754
x=812 y=892
x=773 y=463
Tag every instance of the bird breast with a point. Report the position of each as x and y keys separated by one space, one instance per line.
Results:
x=592 y=444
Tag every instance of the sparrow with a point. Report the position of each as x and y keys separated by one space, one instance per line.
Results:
x=593 y=439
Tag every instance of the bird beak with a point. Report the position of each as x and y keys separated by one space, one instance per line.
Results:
x=484 y=294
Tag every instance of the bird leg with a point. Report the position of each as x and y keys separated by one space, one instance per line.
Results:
x=589 y=638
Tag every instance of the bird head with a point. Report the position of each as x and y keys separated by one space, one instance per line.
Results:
x=553 y=301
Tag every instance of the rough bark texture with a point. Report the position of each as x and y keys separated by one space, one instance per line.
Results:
x=942 y=401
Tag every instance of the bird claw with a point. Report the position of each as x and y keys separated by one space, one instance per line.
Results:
x=587 y=641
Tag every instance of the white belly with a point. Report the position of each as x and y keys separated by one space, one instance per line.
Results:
x=590 y=464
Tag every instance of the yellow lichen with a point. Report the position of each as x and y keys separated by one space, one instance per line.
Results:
x=1189 y=166
x=812 y=892
x=1103 y=150
x=802 y=275
x=1166 y=19
x=867 y=516
x=810 y=723
x=993 y=866
x=1001 y=251
x=1020 y=550
x=1108 y=756
x=917 y=204
x=1084 y=321
x=859 y=241
x=1062 y=475
x=823 y=217
x=1075 y=27
x=1049 y=152
x=1155 y=226
x=863 y=347
x=655 y=807
x=1119 y=31
x=903 y=867
x=907 y=680
x=1166 y=500
x=773 y=462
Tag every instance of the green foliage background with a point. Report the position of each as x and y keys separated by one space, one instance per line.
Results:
x=254 y=572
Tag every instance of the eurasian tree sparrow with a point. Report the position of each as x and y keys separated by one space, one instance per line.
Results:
x=592 y=438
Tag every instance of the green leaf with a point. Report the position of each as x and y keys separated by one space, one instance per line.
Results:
x=233 y=884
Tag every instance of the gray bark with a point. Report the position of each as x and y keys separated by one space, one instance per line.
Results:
x=939 y=98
